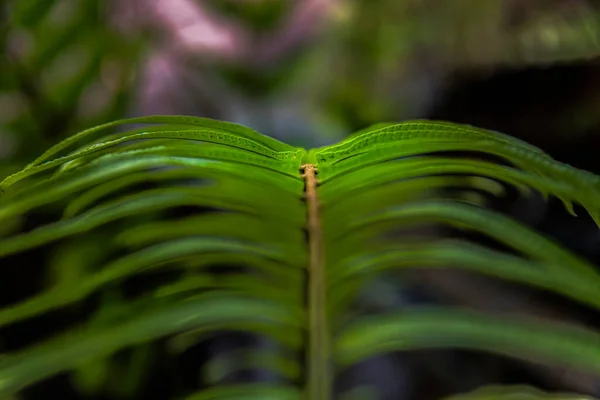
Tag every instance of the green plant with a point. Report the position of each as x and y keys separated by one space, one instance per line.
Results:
x=64 y=67
x=251 y=202
x=382 y=47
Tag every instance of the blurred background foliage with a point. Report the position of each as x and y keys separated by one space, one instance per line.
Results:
x=309 y=72
x=63 y=67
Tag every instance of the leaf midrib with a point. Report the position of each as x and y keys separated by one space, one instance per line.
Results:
x=318 y=357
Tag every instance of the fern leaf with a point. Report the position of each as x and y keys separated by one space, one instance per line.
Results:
x=515 y=393
x=248 y=392
x=212 y=311
x=433 y=328
x=305 y=246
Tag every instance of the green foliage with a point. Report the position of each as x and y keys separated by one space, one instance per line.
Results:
x=260 y=16
x=381 y=47
x=64 y=67
x=246 y=206
x=514 y=393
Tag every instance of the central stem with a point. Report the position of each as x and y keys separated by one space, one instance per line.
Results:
x=318 y=357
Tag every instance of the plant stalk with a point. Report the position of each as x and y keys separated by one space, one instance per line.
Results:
x=318 y=358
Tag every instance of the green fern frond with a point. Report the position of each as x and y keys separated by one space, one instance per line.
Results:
x=307 y=230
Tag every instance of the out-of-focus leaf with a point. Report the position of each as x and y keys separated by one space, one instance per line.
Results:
x=516 y=393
